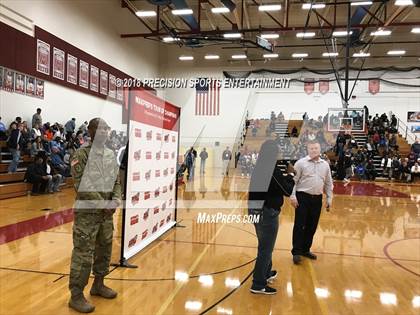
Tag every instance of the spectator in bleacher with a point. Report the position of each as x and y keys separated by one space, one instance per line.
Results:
x=353 y=142
x=54 y=177
x=415 y=147
x=369 y=148
x=395 y=169
x=411 y=158
x=340 y=143
x=36 y=118
x=366 y=111
x=48 y=132
x=348 y=165
x=18 y=120
x=415 y=170
x=15 y=144
x=394 y=121
x=3 y=130
x=393 y=142
x=58 y=163
x=360 y=171
x=26 y=139
x=405 y=171
x=376 y=139
x=370 y=170
x=37 y=146
x=294 y=132
x=69 y=128
x=35 y=132
x=254 y=131
x=305 y=116
x=386 y=165
x=36 y=175
x=280 y=117
x=376 y=120
x=83 y=128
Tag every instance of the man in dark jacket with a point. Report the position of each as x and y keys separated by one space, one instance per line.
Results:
x=36 y=175
x=15 y=144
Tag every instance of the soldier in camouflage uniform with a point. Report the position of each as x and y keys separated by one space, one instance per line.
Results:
x=95 y=173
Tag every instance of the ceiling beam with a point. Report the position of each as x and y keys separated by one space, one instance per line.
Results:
x=133 y=9
x=268 y=14
x=245 y=8
x=271 y=29
x=209 y=16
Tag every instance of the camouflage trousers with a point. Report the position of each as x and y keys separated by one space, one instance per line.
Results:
x=92 y=244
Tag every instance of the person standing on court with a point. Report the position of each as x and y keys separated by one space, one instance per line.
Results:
x=203 y=157
x=96 y=179
x=226 y=156
x=36 y=118
x=69 y=127
x=313 y=177
x=267 y=188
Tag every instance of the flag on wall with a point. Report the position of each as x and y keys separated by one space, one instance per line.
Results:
x=207 y=98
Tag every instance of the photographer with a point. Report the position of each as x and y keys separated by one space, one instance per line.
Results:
x=267 y=187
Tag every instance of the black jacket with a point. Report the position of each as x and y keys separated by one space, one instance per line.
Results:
x=280 y=186
x=34 y=173
x=12 y=142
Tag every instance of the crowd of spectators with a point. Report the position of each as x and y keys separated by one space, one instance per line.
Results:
x=53 y=144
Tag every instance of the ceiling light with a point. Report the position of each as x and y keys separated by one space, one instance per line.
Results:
x=307 y=6
x=415 y=30
x=186 y=58
x=361 y=3
x=270 y=55
x=341 y=33
x=322 y=293
x=361 y=55
x=211 y=57
x=145 y=13
x=305 y=35
x=193 y=305
x=169 y=39
x=299 y=55
x=381 y=33
x=404 y=2
x=273 y=7
x=232 y=282
x=270 y=36
x=330 y=54
x=182 y=12
x=232 y=35
x=388 y=298
x=220 y=10
x=396 y=52
x=416 y=301
x=238 y=56
x=353 y=294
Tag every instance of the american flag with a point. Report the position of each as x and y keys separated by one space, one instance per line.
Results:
x=207 y=98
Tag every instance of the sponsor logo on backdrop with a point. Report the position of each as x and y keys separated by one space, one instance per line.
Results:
x=162 y=222
x=148 y=175
x=136 y=176
x=166 y=155
x=144 y=234
x=158 y=154
x=155 y=228
x=137 y=155
x=156 y=210
x=165 y=172
x=166 y=138
x=146 y=215
x=164 y=189
x=158 y=136
x=146 y=195
x=132 y=242
x=157 y=193
x=135 y=199
x=137 y=133
x=168 y=218
x=148 y=155
x=149 y=135
x=157 y=173
x=164 y=206
x=134 y=219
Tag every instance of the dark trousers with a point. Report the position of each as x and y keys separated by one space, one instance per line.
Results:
x=39 y=185
x=306 y=221
x=266 y=230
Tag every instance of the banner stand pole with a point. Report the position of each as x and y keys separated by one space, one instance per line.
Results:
x=177 y=225
x=123 y=261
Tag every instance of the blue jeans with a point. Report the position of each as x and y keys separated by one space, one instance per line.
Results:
x=15 y=160
x=54 y=182
x=266 y=230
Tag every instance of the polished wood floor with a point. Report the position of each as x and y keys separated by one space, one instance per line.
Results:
x=368 y=250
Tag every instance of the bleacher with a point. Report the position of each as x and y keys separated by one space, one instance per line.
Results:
x=12 y=185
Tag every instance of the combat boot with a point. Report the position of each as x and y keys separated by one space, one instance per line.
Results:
x=80 y=304
x=98 y=288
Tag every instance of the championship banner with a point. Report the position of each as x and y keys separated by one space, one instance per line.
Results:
x=309 y=86
x=324 y=87
x=374 y=86
x=151 y=171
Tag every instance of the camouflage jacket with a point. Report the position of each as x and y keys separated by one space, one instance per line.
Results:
x=96 y=178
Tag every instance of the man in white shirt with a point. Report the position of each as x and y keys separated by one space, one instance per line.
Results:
x=313 y=177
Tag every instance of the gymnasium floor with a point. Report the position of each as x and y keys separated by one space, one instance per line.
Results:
x=368 y=250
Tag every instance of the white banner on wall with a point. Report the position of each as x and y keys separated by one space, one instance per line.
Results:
x=151 y=171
